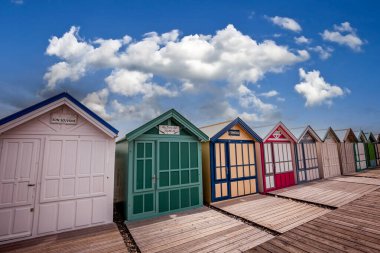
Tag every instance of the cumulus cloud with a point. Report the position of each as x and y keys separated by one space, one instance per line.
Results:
x=286 y=23
x=132 y=83
x=170 y=65
x=193 y=57
x=271 y=93
x=302 y=40
x=249 y=100
x=315 y=89
x=344 y=34
x=324 y=53
x=97 y=101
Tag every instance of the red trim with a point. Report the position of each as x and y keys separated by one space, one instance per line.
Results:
x=263 y=167
x=280 y=178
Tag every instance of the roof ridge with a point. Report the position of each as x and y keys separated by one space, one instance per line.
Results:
x=219 y=123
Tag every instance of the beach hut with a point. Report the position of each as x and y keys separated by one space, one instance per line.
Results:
x=162 y=167
x=329 y=155
x=371 y=149
x=56 y=169
x=348 y=141
x=230 y=160
x=306 y=154
x=377 y=146
x=278 y=170
x=361 y=151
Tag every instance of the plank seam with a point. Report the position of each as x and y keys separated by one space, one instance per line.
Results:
x=302 y=201
x=246 y=221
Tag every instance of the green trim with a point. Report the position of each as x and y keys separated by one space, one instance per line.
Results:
x=167 y=115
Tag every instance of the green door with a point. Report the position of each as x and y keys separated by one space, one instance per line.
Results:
x=372 y=155
x=178 y=175
x=144 y=183
x=166 y=177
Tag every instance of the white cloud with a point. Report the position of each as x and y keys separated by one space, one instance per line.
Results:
x=193 y=57
x=132 y=83
x=17 y=2
x=249 y=100
x=286 y=23
x=344 y=27
x=140 y=111
x=344 y=34
x=315 y=89
x=324 y=53
x=302 y=40
x=271 y=93
x=62 y=71
x=170 y=65
x=97 y=102
x=187 y=86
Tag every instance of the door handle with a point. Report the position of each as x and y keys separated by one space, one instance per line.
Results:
x=31 y=184
x=154 y=178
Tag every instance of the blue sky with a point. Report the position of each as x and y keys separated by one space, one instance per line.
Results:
x=211 y=60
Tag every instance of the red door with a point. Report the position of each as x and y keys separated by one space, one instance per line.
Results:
x=279 y=158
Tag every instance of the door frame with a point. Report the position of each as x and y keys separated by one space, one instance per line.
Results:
x=37 y=188
x=228 y=167
x=129 y=192
x=274 y=163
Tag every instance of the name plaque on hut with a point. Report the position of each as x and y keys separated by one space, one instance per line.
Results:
x=66 y=119
x=164 y=129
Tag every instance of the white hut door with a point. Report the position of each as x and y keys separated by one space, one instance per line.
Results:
x=18 y=173
x=330 y=160
x=377 y=146
x=349 y=157
x=269 y=166
x=361 y=160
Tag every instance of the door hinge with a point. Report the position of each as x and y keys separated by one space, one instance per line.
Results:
x=32 y=209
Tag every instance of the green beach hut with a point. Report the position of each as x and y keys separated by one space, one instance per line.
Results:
x=371 y=142
x=160 y=165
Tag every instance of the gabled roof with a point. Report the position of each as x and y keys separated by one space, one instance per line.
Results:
x=213 y=129
x=279 y=124
x=167 y=115
x=64 y=97
x=377 y=136
x=324 y=133
x=361 y=136
x=309 y=130
x=343 y=134
x=217 y=130
x=370 y=137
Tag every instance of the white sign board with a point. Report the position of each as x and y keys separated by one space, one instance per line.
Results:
x=66 y=119
x=163 y=129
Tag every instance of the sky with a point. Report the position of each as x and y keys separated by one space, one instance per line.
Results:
x=302 y=62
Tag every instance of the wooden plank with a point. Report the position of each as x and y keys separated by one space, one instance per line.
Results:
x=200 y=230
x=359 y=180
x=329 y=192
x=104 y=238
x=353 y=227
x=274 y=213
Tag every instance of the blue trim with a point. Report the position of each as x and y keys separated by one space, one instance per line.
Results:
x=233 y=123
x=228 y=179
x=51 y=100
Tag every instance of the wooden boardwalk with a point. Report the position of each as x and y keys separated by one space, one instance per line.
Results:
x=355 y=227
x=358 y=180
x=200 y=230
x=274 y=213
x=104 y=238
x=326 y=192
x=371 y=173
